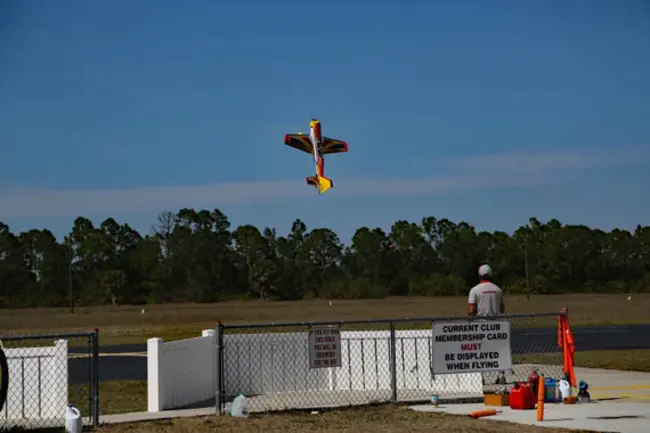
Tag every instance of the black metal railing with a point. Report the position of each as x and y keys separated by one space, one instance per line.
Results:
x=377 y=361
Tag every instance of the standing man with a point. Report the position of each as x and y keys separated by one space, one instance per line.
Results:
x=486 y=298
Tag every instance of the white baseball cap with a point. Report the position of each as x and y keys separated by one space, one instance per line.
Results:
x=484 y=271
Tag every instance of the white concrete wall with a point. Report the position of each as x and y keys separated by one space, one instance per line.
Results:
x=38 y=383
x=182 y=372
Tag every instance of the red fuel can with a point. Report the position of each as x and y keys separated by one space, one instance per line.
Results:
x=522 y=397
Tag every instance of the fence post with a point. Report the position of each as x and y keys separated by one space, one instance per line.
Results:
x=95 y=378
x=219 y=394
x=4 y=376
x=393 y=363
x=432 y=346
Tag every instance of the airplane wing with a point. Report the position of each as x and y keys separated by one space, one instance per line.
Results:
x=332 y=145
x=300 y=142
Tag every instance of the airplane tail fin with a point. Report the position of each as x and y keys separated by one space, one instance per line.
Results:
x=324 y=184
x=321 y=183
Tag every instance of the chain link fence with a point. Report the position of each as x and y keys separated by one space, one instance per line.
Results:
x=299 y=366
x=45 y=373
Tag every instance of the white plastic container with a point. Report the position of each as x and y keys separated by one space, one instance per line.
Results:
x=565 y=389
x=239 y=407
x=73 y=421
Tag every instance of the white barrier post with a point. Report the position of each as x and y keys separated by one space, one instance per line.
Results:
x=61 y=375
x=218 y=365
x=154 y=394
x=213 y=357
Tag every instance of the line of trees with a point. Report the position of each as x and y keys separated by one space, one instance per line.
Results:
x=197 y=256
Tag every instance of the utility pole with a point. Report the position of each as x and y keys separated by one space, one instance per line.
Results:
x=526 y=267
x=70 y=278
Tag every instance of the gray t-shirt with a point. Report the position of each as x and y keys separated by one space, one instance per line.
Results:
x=487 y=297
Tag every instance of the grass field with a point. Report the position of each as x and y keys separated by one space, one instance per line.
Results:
x=126 y=324
x=115 y=396
x=630 y=360
x=378 y=419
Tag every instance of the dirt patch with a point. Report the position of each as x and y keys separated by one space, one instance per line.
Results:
x=379 y=419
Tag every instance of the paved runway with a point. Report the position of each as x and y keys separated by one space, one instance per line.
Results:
x=129 y=361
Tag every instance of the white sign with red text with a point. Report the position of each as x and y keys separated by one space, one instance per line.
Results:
x=324 y=347
x=472 y=346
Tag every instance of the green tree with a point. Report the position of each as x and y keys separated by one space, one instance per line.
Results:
x=17 y=281
x=319 y=255
x=257 y=260
x=194 y=256
x=48 y=262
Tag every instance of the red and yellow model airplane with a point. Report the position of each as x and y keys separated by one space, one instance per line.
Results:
x=318 y=146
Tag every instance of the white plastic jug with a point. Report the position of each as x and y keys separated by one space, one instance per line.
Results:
x=565 y=389
x=239 y=407
x=73 y=421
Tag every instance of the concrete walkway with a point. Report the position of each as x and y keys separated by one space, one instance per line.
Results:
x=621 y=403
x=122 y=418
x=602 y=416
x=608 y=384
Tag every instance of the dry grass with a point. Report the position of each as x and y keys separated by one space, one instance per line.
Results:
x=379 y=419
x=123 y=396
x=115 y=396
x=631 y=360
x=126 y=324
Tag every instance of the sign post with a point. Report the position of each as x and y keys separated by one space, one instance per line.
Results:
x=324 y=347
x=471 y=346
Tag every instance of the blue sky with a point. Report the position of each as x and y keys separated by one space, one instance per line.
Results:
x=488 y=112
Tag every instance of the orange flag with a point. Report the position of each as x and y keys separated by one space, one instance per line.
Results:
x=567 y=343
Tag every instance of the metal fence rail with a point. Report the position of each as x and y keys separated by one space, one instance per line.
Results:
x=48 y=372
x=381 y=361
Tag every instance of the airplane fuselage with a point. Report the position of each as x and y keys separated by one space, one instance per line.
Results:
x=316 y=137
